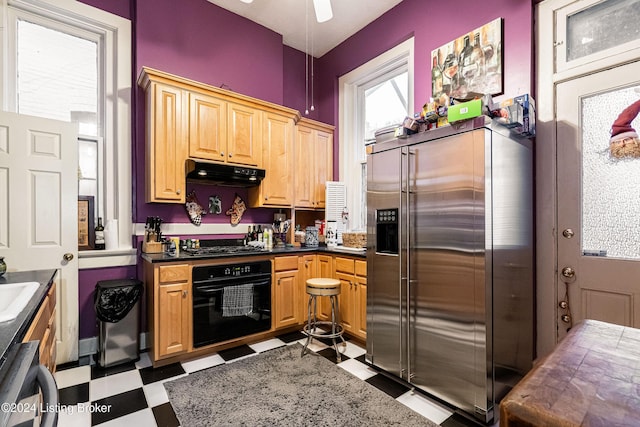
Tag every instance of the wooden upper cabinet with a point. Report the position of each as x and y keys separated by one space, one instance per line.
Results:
x=244 y=140
x=186 y=119
x=314 y=163
x=323 y=166
x=166 y=143
x=276 y=189
x=304 y=179
x=207 y=127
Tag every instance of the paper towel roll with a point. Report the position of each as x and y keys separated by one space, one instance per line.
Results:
x=111 y=235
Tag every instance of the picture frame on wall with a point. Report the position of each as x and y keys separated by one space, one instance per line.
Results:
x=86 y=227
x=471 y=63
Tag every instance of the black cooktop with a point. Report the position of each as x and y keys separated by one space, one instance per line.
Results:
x=222 y=246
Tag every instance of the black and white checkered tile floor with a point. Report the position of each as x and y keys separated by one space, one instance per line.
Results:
x=133 y=394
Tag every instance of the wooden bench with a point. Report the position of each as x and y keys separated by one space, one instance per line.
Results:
x=592 y=378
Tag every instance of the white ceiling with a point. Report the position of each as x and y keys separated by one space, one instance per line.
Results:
x=287 y=17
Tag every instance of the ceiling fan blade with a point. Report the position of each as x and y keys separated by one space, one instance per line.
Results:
x=323 y=10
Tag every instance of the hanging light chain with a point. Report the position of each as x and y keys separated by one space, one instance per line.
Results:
x=306 y=57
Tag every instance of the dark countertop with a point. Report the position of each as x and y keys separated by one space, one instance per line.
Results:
x=295 y=250
x=12 y=332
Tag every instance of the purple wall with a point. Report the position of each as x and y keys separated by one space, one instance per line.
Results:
x=203 y=42
x=206 y=43
x=117 y=7
x=295 y=82
x=88 y=279
x=432 y=27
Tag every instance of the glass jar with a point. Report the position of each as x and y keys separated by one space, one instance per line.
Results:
x=3 y=266
x=311 y=237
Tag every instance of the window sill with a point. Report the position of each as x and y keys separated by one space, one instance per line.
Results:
x=112 y=258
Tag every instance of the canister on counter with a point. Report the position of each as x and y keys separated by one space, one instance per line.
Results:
x=311 y=237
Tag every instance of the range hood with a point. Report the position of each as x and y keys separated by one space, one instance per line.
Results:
x=221 y=174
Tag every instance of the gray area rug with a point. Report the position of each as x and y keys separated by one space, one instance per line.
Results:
x=279 y=388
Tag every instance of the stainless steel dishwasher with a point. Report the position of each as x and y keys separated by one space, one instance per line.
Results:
x=23 y=382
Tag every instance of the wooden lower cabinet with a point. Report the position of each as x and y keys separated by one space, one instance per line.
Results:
x=353 y=295
x=352 y=301
x=169 y=300
x=173 y=319
x=286 y=292
x=308 y=267
x=43 y=329
x=168 y=289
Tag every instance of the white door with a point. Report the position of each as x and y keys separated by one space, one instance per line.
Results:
x=39 y=210
x=598 y=202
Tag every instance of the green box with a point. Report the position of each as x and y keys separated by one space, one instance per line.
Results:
x=464 y=111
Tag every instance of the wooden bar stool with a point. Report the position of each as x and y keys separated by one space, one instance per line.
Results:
x=320 y=287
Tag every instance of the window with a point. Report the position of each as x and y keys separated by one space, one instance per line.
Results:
x=69 y=61
x=377 y=94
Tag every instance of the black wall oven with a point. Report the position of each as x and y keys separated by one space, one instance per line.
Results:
x=230 y=301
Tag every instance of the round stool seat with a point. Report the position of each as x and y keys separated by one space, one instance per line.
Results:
x=323 y=286
x=327 y=329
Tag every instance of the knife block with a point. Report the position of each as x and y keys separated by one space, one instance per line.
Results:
x=149 y=244
x=152 y=247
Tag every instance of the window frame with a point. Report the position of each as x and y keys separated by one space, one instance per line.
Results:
x=114 y=99
x=351 y=118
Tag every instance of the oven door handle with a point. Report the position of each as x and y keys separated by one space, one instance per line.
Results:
x=49 y=390
x=212 y=289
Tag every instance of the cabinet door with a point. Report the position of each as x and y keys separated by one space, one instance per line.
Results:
x=172 y=326
x=325 y=266
x=207 y=127
x=305 y=161
x=325 y=269
x=307 y=266
x=277 y=187
x=345 y=301
x=243 y=135
x=361 y=306
x=166 y=144
x=323 y=153
x=286 y=301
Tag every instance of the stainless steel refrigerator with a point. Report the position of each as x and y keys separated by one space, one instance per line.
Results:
x=450 y=297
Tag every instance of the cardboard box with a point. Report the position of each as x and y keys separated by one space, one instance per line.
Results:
x=518 y=114
x=464 y=111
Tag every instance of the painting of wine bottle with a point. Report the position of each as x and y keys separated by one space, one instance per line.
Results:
x=470 y=63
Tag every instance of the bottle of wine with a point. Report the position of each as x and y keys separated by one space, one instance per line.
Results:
x=464 y=62
x=436 y=78
x=99 y=235
x=260 y=233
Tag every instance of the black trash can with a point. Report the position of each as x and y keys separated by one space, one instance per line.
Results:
x=117 y=304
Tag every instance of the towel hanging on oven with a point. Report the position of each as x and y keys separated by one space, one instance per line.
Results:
x=237 y=300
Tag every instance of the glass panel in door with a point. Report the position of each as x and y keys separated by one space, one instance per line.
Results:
x=610 y=188
x=598 y=201
x=595 y=34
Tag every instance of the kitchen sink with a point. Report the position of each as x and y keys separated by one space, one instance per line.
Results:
x=14 y=297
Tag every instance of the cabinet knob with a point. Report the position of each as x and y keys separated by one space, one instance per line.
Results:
x=266 y=197
x=178 y=191
x=68 y=256
x=184 y=293
x=230 y=154
x=222 y=154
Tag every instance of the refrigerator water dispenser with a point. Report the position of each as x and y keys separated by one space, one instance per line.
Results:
x=387 y=231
